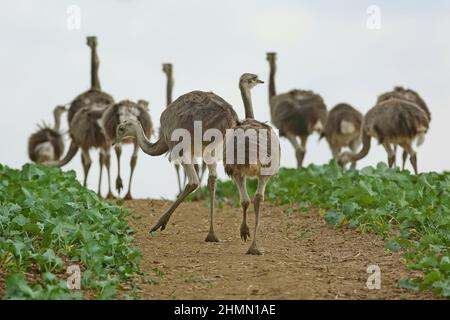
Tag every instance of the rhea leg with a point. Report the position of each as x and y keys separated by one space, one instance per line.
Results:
x=86 y=161
x=203 y=170
x=259 y=198
x=193 y=183
x=132 y=165
x=335 y=151
x=101 y=160
x=354 y=145
x=119 y=183
x=241 y=183
x=177 y=168
x=212 y=178
x=299 y=152
x=412 y=155
x=404 y=157
x=391 y=154
x=108 y=171
x=303 y=140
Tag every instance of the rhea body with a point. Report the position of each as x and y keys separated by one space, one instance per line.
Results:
x=343 y=129
x=111 y=119
x=412 y=97
x=85 y=130
x=239 y=170
x=206 y=108
x=392 y=122
x=47 y=144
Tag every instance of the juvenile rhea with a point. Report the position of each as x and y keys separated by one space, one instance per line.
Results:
x=180 y=117
x=412 y=97
x=392 y=122
x=343 y=129
x=258 y=139
x=47 y=143
x=111 y=118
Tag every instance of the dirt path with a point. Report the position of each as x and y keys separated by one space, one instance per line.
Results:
x=304 y=258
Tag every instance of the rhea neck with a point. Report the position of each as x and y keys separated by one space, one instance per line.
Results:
x=57 y=116
x=247 y=99
x=95 y=63
x=273 y=70
x=169 y=87
x=143 y=142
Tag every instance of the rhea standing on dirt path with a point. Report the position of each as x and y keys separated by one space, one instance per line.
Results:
x=180 y=116
x=240 y=170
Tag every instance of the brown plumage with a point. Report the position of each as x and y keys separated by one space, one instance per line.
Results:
x=297 y=113
x=393 y=121
x=47 y=143
x=84 y=114
x=410 y=96
x=250 y=164
x=111 y=119
x=93 y=97
x=213 y=113
x=343 y=129
x=42 y=136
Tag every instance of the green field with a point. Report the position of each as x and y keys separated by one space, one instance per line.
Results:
x=48 y=221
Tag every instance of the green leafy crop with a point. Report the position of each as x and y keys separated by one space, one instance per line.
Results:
x=411 y=212
x=48 y=222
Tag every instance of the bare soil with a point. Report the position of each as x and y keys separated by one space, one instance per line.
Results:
x=303 y=257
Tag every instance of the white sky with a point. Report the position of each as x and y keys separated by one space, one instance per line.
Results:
x=321 y=45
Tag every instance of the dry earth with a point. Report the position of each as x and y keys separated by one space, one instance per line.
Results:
x=304 y=257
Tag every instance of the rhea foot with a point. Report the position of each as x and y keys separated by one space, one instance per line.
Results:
x=161 y=224
x=245 y=232
x=128 y=196
x=253 y=250
x=119 y=184
x=211 y=237
x=110 y=196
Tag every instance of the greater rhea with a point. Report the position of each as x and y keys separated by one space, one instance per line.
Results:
x=47 y=144
x=111 y=118
x=297 y=113
x=392 y=122
x=411 y=96
x=343 y=129
x=84 y=114
x=179 y=119
x=239 y=170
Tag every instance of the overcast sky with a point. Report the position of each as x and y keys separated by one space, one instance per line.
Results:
x=322 y=46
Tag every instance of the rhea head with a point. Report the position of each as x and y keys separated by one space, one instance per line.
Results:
x=92 y=41
x=60 y=110
x=126 y=129
x=167 y=68
x=271 y=57
x=249 y=80
x=344 y=158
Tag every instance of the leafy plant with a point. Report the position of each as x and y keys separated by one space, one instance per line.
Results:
x=48 y=221
x=411 y=212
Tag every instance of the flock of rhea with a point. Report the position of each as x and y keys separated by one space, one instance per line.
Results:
x=399 y=118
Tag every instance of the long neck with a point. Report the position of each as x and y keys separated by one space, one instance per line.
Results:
x=272 y=89
x=365 y=149
x=152 y=149
x=247 y=99
x=95 y=63
x=169 y=88
x=57 y=116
